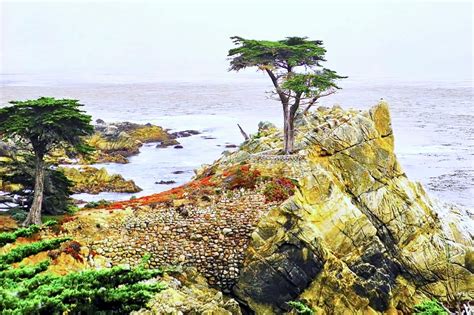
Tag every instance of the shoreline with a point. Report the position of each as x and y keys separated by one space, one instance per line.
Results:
x=432 y=127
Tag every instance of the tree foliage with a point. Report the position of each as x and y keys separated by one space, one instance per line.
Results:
x=57 y=187
x=286 y=54
x=31 y=289
x=46 y=123
x=41 y=126
x=294 y=67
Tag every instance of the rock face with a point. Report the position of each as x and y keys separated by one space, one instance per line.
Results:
x=357 y=236
x=189 y=293
x=211 y=236
x=93 y=181
x=354 y=236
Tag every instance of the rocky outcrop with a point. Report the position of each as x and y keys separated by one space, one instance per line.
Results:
x=189 y=293
x=357 y=235
x=116 y=142
x=92 y=180
x=353 y=236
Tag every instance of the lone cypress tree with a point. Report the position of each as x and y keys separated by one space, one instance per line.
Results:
x=41 y=126
x=293 y=65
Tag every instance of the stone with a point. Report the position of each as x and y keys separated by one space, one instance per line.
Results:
x=165 y=182
x=226 y=231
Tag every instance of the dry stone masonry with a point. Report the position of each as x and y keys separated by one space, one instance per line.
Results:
x=212 y=238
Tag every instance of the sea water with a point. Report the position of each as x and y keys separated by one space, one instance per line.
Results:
x=432 y=122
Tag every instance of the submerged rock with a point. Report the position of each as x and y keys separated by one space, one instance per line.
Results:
x=165 y=182
x=184 y=134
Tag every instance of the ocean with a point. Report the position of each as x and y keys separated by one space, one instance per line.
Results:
x=432 y=122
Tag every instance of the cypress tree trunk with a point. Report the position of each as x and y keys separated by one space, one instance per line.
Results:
x=289 y=128
x=291 y=133
x=286 y=130
x=34 y=216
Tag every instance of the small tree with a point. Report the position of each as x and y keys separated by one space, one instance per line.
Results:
x=43 y=125
x=293 y=65
x=57 y=187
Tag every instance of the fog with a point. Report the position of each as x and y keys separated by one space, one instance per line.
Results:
x=409 y=40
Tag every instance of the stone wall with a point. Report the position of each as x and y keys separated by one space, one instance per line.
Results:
x=212 y=237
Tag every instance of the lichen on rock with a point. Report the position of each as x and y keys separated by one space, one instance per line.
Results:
x=372 y=239
x=116 y=142
x=93 y=180
x=353 y=235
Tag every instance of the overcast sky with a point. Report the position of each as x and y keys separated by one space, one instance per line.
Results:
x=415 y=40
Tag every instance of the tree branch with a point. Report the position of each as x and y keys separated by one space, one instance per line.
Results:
x=246 y=136
x=296 y=104
x=281 y=94
x=317 y=97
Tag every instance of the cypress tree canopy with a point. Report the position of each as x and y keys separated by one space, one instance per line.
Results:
x=46 y=123
x=288 y=53
x=294 y=67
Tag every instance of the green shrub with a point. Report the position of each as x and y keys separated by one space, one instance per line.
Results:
x=18 y=253
x=29 y=289
x=112 y=290
x=10 y=237
x=300 y=308
x=431 y=307
x=17 y=214
x=24 y=271
x=279 y=189
x=97 y=204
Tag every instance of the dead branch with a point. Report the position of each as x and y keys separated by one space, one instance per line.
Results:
x=244 y=134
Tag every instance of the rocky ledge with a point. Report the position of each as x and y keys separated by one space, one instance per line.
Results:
x=116 y=142
x=337 y=225
x=93 y=180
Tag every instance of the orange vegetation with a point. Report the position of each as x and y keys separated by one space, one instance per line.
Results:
x=169 y=195
x=232 y=178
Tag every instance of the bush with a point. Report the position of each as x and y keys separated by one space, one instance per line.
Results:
x=112 y=291
x=30 y=289
x=279 y=189
x=240 y=177
x=97 y=204
x=300 y=308
x=18 y=214
x=432 y=307
x=18 y=253
x=10 y=237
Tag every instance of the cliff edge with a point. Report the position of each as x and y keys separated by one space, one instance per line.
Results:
x=357 y=235
x=337 y=225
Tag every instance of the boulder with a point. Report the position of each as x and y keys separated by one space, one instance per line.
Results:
x=357 y=236
x=189 y=293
